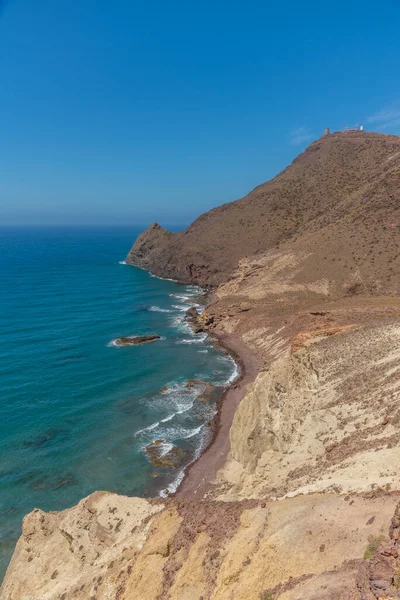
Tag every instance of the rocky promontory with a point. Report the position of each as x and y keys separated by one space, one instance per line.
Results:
x=337 y=201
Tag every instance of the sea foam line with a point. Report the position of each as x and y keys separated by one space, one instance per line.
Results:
x=172 y=487
x=235 y=374
x=149 y=428
x=164 y=449
x=159 y=309
x=183 y=307
x=152 y=274
x=183 y=297
x=194 y=340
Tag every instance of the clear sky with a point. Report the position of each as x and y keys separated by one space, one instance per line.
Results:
x=127 y=112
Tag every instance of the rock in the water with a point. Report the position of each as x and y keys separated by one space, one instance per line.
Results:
x=135 y=340
x=192 y=316
x=192 y=313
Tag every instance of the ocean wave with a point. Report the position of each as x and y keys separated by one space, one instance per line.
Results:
x=169 y=418
x=173 y=486
x=149 y=428
x=182 y=402
x=163 y=278
x=190 y=433
x=164 y=448
x=194 y=340
x=158 y=309
x=171 y=489
x=122 y=262
x=184 y=297
x=170 y=434
x=233 y=376
x=181 y=324
x=182 y=307
x=180 y=397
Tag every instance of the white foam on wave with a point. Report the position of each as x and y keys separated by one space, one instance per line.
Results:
x=180 y=323
x=179 y=433
x=149 y=428
x=122 y=262
x=235 y=371
x=183 y=307
x=191 y=433
x=171 y=489
x=174 y=388
x=204 y=351
x=169 y=418
x=163 y=278
x=159 y=309
x=164 y=448
x=194 y=340
x=169 y=434
x=235 y=374
x=181 y=397
x=182 y=297
x=183 y=404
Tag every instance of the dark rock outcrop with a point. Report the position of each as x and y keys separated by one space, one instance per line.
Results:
x=192 y=316
x=136 y=340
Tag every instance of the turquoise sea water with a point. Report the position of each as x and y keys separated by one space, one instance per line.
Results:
x=77 y=412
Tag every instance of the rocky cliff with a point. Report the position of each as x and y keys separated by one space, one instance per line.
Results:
x=298 y=498
x=117 y=548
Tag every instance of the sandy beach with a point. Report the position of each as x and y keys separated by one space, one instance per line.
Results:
x=201 y=474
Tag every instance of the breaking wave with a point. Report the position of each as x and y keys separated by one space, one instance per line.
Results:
x=159 y=309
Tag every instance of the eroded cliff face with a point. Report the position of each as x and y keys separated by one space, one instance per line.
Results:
x=113 y=547
x=323 y=413
x=324 y=416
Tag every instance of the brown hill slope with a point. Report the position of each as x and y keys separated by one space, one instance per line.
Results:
x=342 y=193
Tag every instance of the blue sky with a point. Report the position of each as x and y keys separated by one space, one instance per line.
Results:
x=127 y=112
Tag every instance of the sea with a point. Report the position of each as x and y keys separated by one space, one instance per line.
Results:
x=77 y=412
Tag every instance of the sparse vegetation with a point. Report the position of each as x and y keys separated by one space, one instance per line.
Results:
x=267 y=596
x=373 y=546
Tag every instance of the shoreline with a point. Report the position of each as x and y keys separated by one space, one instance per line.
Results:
x=200 y=475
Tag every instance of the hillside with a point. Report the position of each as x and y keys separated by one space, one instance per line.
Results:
x=340 y=197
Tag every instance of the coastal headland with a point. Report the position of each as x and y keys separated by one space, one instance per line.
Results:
x=298 y=495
